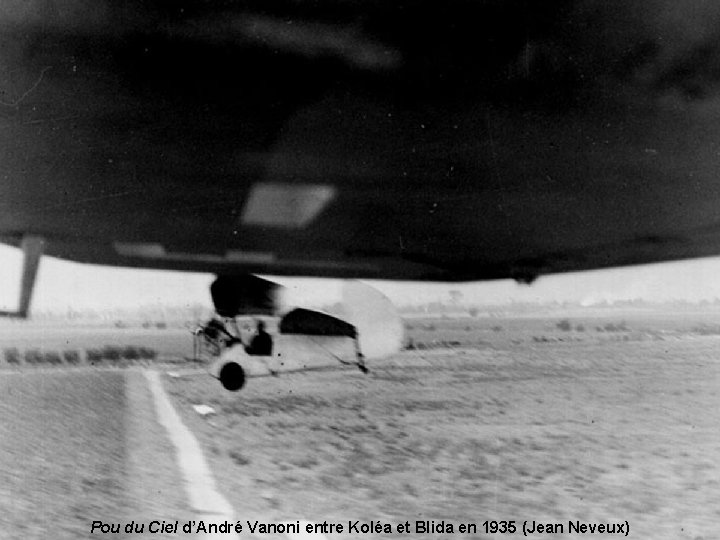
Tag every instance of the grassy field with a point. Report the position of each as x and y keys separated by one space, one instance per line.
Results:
x=50 y=480
x=597 y=327
x=81 y=446
x=36 y=345
x=581 y=426
x=607 y=418
x=31 y=344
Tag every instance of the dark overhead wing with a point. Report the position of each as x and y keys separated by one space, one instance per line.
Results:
x=413 y=140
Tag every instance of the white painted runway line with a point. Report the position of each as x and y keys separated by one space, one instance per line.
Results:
x=208 y=503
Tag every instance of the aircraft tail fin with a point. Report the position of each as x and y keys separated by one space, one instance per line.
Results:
x=379 y=327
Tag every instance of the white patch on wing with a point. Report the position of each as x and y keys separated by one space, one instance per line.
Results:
x=291 y=206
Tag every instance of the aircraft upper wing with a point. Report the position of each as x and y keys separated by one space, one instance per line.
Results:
x=428 y=140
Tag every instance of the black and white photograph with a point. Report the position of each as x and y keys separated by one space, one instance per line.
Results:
x=359 y=269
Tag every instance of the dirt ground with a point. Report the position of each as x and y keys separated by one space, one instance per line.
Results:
x=80 y=446
x=601 y=432
x=520 y=421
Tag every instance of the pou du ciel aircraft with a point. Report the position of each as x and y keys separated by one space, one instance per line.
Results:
x=429 y=141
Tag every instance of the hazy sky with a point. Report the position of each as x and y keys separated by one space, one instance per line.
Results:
x=63 y=284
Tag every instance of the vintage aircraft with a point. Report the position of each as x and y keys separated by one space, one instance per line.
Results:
x=304 y=339
x=423 y=140
x=321 y=340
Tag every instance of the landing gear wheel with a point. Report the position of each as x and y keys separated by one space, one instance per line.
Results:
x=232 y=376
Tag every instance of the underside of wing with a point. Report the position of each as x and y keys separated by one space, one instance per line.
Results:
x=407 y=140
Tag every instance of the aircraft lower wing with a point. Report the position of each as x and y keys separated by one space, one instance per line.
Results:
x=402 y=140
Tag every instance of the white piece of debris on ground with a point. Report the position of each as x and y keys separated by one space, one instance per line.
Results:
x=203 y=410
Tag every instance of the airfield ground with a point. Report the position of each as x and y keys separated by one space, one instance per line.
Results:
x=78 y=446
x=569 y=432
x=509 y=419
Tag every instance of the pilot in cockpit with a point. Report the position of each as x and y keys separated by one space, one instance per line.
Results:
x=261 y=344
